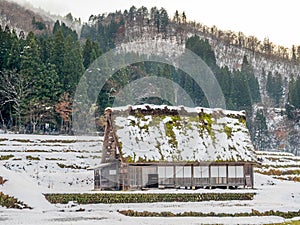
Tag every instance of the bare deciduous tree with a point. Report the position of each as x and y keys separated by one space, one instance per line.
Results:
x=64 y=109
x=14 y=90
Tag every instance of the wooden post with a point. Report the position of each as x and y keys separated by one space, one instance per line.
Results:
x=209 y=176
x=244 y=167
x=100 y=180
x=252 y=178
x=141 y=177
x=174 y=175
x=192 y=176
x=227 y=176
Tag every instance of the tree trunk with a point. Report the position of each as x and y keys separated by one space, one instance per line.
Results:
x=34 y=127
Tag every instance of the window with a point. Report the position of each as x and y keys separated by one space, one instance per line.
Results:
x=214 y=171
x=169 y=172
x=231 y=172
x=222 y=171
x=197 y=172
x=161 y=172
x=112 y=172
x=235 y=171
x=179 y=171
x=205 y=171
x=239 y=171
x=165 y=171
x=201 y=172
x=218 y=174
x=187 y=171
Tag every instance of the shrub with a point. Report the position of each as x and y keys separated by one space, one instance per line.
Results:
x=109 y=198
x=285 y=215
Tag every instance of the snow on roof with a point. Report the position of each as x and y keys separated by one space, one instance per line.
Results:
x=178 y=133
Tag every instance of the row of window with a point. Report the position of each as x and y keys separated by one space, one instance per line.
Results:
x=200 y=171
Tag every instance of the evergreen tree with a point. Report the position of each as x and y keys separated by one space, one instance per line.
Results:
x=57 y=52
x=65 y=30
x=203 y=49
x=261 y=136
x=72 y=65
x=252 y=81
x=165 y=72
x=45 y=45
x=224 y=78
x=32 y=70
x=163 y=20
x=294 y=94
x=240 y=93
x=14 y=56
x=132 y=13
x=5 y=46
x=183 y=17
x=96 y=51
x=87 y=53
x=91 y=52
x=30 y=59
x=274 y=87
x=56 y=27
x=156 y=19
x=294 y=57
x=177 y=18
x=47 y=86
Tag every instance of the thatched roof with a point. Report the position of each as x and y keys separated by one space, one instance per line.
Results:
x=169 y=133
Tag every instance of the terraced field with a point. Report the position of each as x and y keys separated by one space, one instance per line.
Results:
x=34 y=165
x=57 y=163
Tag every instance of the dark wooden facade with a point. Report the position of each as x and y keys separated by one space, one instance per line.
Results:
x=110 y=176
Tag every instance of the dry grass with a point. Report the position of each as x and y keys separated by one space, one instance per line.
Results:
x=23 y=140
x=276 y=172
x=2 y=180
x=6 y=157
x=29 y=157
x=296 y=222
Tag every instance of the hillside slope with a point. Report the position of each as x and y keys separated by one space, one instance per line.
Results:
x=230 y=49
x=19 y=18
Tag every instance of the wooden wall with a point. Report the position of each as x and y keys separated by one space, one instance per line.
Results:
x=177 y=175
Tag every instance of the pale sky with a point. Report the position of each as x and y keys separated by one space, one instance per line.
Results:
x=279 y=20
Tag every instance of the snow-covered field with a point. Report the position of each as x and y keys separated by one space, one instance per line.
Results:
x=43 y=164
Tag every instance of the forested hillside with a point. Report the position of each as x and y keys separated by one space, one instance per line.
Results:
x=39 y=74
x=40 y=71
x=23 y=20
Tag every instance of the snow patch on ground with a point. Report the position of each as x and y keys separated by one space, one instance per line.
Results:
x=29 y=184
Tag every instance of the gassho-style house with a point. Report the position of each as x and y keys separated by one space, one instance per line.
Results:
x=150 y=146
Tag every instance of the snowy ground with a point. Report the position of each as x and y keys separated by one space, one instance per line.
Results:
x=43 y=164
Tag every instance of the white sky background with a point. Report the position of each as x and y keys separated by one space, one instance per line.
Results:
x=279 y=20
